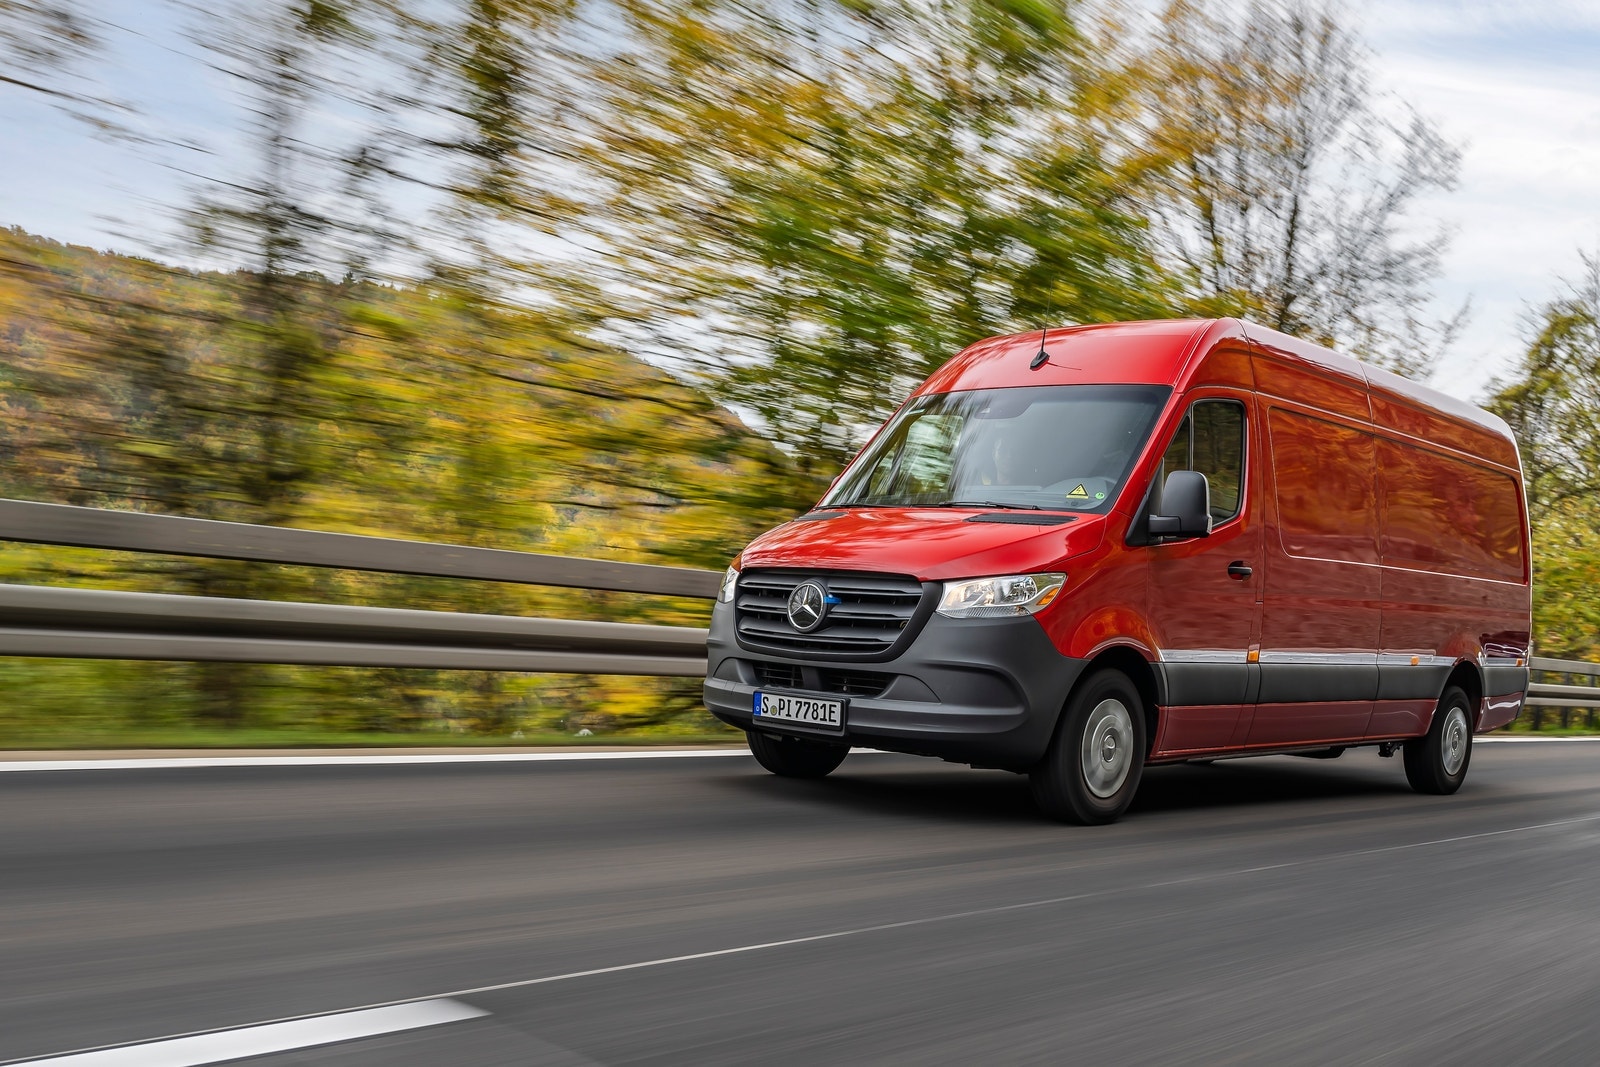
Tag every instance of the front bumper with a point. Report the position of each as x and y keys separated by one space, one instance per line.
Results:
x=982 y=691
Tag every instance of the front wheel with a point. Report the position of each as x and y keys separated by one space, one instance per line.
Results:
x=1437 y=761
x=1096 y=758
x=795 y=757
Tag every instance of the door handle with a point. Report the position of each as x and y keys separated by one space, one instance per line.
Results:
x=1239 y=569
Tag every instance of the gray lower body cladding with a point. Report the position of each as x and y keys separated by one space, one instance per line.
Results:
x=982 y=691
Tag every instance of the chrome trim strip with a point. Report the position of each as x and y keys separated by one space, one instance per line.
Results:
x=1332 y=659
x=1202 y=655
x=1299 y=658
x=1404 y=659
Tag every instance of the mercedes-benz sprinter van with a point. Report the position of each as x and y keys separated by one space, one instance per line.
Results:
x=1075 y=553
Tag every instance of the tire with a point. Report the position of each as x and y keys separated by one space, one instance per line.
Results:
x=1095 y=760
x=795 y=757
x=1437 y=762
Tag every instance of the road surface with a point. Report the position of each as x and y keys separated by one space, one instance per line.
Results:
x=698 y=911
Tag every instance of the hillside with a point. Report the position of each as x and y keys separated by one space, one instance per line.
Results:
x=361 y=408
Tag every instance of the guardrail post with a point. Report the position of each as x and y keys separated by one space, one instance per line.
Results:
x=1538 y=710
x=1589 y=712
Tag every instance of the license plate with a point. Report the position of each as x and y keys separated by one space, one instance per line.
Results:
x=801 y=710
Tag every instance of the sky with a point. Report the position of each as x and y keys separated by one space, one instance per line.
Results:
x=1515 y=84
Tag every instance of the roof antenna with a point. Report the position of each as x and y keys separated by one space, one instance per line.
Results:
x=1039 y=360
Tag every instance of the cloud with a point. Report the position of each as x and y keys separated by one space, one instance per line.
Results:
x=1515 y=85
x=1452 y=18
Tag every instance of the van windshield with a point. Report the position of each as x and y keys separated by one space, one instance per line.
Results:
x=1052 y=448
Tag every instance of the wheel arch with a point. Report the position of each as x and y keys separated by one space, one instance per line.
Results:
x=1142 y=673
x=1469 y=678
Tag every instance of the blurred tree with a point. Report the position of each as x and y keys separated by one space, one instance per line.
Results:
x=116 y=402
x=52 y=49
x=40 y=39
x=1566 y=573
x=1552 y=401
x=115 y=390
x=470 y=405
x=1279 y=185
x=815 y=205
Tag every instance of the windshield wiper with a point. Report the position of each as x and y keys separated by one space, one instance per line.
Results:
x=987 y=504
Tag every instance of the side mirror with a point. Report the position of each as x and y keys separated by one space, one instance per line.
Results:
x=1185 y=507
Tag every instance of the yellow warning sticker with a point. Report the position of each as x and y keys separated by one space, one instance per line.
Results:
x=1079 y=491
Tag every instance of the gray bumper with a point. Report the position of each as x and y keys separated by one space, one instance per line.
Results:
x=982 y=691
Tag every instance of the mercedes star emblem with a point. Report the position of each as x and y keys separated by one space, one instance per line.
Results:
x=807 y=606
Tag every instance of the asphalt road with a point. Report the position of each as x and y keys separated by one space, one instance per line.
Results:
x=1259 y=911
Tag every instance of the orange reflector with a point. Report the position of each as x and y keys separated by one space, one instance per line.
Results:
x=1254 y=656
x=1045 y=600
x=1415 y=660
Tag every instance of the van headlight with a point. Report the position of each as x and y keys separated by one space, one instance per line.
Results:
x=730 y=582
x=991 y=598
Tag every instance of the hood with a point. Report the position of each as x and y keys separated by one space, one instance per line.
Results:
x=929 y=544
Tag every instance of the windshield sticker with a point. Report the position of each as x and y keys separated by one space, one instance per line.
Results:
x=1078 y=492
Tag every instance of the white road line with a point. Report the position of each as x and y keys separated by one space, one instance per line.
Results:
x=1521 y=739
x=250 y=1041
x=363 y=759
x=833 y=935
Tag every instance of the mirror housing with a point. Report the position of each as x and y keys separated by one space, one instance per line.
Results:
x=1185 y=507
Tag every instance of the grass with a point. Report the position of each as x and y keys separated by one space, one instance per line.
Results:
x=1575 y=730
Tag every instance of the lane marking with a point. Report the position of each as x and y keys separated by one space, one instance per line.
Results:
x=1519 y=740
x=364 y=759
x=379 y=759
x=267 y=1038
x=833 y=935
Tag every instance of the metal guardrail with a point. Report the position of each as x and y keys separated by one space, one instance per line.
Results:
x=84 y=623
x=1565 y=695
x=131 y=531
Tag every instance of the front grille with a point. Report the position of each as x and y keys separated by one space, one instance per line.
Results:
x=782 y=675
x=856 y=683
x=873 y=612
x=793 y=676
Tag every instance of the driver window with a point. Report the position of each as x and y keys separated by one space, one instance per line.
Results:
x=1211 y=440
x=920 y=465
x=929 y=448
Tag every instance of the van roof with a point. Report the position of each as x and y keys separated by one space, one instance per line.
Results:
x=1166 y=351
x=1151 y=352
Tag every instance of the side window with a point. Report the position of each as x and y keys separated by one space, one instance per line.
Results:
x=1179 y=451
x=929 y=452
x=1211 y=440
x=920 y=464
x=877 y=481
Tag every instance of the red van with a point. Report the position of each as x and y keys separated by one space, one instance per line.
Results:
x=1076 y=553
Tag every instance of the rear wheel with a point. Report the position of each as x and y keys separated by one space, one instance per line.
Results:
x=1096 y=758
x=1437 y=761
x=795 y=757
